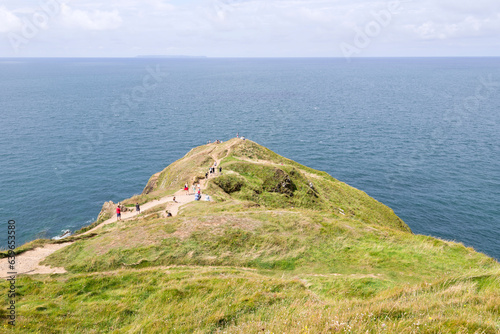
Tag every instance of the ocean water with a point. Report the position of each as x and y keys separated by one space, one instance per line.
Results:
x=420 y=135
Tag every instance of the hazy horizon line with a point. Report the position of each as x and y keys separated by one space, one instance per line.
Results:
x=232 y=57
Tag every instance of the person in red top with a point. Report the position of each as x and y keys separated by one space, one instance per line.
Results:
x=118 y=213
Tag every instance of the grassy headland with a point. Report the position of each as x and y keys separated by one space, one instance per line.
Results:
x=282 y=248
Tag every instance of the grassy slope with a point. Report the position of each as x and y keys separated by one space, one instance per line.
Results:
x=263 y=258
x=234 y=300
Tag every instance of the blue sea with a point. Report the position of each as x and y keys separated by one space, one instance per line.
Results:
x=420 y=135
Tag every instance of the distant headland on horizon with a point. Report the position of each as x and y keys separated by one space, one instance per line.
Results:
x=171 y=56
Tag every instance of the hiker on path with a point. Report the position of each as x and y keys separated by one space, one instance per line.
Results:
x=137 y=208
x=186 y=189
x=118 y=213
x=174 y=200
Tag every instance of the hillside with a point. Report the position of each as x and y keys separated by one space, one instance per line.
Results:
x=280 y=248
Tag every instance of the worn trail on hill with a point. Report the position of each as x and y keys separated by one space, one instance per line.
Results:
x=29 y=262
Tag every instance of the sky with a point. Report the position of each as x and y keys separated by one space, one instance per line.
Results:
x=249 y=28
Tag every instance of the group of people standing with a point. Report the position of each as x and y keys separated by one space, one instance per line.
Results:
x=196 y=188
x=119 y=210
x=217 y=141
x=213 y=170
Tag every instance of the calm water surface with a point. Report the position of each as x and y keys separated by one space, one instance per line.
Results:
x=420 y=135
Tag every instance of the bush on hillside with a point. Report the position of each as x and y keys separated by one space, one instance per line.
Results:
x=279 y=182
x=229 y=183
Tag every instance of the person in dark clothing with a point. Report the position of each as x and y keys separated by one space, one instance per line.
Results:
x=137 y=207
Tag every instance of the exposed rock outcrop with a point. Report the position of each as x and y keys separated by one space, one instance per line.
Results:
x=107 y=211
x=151 y=184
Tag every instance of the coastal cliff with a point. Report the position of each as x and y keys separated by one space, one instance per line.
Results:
x=280 y=247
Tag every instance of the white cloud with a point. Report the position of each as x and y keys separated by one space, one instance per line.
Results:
x=475 y=7
x=90 y=20
x=260 y=27
x=454 y=20
x=8 y=21
x=159 y=5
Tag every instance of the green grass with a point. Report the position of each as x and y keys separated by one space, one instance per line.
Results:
x=232 y=300
x=270 y=254
x=291 y=240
